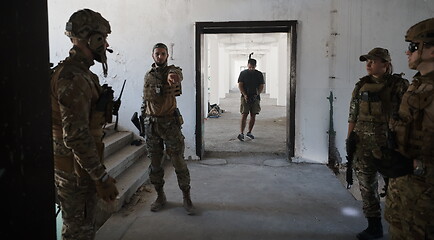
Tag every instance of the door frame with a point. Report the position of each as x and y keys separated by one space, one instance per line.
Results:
x=289 y=27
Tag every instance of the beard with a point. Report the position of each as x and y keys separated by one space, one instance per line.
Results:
x=161 y=64
x=415 y=63
x=412 y=65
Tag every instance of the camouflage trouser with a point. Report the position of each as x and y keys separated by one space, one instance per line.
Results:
x=77 y=199
x=367 y=175
x=166 y=133
x=368 y=181
x=393 y=212
x=409 y=205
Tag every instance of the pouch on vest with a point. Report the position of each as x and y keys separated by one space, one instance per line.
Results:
x=105 y=103
x=420 y=100
x=371 y=106
x=153 y=91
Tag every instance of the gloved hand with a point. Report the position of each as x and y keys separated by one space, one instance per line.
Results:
x=107 y=189
x=392 y=163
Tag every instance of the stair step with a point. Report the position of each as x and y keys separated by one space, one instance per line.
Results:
x=116 y=141
x=130 y=180
x=109 y=129
x=117 y=162
x=127 y=163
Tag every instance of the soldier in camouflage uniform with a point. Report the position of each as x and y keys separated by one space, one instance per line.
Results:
x=410 y=200
x=163 y=122
x=80 y=107
x=374 y=99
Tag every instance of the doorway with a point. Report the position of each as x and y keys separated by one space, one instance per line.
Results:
x=223 y=30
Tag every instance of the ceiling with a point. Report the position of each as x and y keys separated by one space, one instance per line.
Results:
x=244 y=43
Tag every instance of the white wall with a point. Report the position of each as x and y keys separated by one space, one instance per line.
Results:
x=283 y=70
x=215 y=71
x=224 y=73
x=206 y=71
x=360 y=26
x=238 y=62
x=272 y=72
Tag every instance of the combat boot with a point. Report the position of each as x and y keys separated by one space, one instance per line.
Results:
x=160 y=201
x=188 y=205
x=374 y=230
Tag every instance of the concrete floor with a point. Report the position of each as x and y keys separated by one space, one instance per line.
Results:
x=245 y=190
x=221 y=133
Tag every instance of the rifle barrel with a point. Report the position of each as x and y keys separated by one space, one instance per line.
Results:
x=122 y=90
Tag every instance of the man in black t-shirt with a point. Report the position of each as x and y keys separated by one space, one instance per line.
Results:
x=251 y=84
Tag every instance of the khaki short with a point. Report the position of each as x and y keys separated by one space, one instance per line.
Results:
x=253 y=108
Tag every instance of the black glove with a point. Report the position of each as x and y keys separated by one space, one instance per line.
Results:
x=393 y=164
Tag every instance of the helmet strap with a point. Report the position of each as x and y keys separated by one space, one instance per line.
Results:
x=105 y=68
x=97 y=44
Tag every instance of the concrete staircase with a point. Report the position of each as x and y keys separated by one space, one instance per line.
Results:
x=127 y=163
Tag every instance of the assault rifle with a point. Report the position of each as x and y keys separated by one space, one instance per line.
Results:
x=333 y=155
x=139 y=122
x=117 y=105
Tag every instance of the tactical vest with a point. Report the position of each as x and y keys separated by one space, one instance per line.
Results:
x=156 y=85
x=374 y=101
x=415 y=130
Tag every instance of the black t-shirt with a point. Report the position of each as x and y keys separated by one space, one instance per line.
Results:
x=251 y=80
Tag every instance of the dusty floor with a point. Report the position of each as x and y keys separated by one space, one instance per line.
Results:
x=221 y=133
x=269 y=131
x=246 y=190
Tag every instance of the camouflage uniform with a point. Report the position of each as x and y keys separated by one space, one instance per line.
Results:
x=410 y=201
x=371 y=118
x=163 y=125
x=80 y=108
x=78 y=147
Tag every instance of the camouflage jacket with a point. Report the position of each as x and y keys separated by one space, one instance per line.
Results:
x=395 y=87
x=161 y=103
x=77 y=126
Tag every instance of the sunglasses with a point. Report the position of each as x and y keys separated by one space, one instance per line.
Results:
x=413 y=47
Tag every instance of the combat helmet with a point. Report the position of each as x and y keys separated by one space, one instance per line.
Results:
x=88 y=25
x=84 y=23
x=422 y=31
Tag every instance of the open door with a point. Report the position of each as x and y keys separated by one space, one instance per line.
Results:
x=246 y=27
